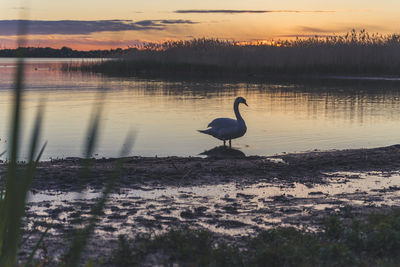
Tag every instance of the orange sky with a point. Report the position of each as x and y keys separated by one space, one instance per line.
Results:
x=90 y=27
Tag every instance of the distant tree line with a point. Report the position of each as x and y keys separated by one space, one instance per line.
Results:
x=64 y=52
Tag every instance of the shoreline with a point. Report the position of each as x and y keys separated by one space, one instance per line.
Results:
x=175 y=171
x=233 y=199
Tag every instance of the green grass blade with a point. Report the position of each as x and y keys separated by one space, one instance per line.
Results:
x=11 y=211
x=94 y=125
x=24 y=180
x=30 y=258
x=36 y=132
x=91 y=140
x=39 y=156
x=30 y=170
x=81 y=237
x=12 y=207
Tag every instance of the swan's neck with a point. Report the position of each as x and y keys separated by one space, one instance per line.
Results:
x=237 y=113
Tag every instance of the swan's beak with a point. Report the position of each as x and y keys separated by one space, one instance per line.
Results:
x=245 y=104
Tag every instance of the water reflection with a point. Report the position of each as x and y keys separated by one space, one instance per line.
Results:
x=223 y=152
x=282 y=116
x=261 y=205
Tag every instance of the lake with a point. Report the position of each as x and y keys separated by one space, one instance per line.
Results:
x=166 y=114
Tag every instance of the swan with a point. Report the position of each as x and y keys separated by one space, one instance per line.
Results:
x=226 y=128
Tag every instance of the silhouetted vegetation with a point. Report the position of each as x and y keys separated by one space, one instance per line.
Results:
x=64 y=52
x=353 y=53
x=375 y=242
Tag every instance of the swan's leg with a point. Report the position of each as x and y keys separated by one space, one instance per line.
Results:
x=224 y=143
x=230 y=143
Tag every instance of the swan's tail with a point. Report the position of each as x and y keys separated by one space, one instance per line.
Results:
x=204 y=131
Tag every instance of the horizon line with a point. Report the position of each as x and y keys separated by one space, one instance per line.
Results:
x=241 y=11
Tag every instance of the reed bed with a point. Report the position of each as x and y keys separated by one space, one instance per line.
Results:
x=357 y=52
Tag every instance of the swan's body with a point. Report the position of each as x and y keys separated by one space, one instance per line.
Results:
x=227 y=129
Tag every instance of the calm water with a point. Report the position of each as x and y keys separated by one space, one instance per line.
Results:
x=281 y=117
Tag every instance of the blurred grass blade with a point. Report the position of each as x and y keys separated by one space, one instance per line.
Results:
x=93 y=133
x=81 y=237
x=12 y=208
x=39 y=156
x=18 y=184
x=8 y=217
x=13 y=196
x=94 y=125
x=36 y=131
x=92 y=136
x=30 y=170
x=30 y=258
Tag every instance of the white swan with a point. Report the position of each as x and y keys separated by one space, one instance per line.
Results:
x=228 y=129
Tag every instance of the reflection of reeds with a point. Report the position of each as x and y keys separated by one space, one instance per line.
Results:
x=353 y=53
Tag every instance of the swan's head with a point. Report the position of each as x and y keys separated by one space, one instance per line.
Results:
x=241 y=100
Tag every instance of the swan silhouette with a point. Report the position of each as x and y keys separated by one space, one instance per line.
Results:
x=227 y=129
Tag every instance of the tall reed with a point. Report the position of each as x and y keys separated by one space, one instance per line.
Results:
x=351 y=53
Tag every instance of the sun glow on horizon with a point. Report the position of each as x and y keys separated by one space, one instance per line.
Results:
x=122 y=25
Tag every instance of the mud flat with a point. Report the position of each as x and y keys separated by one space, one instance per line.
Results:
x=232 y=196
x=308 y=167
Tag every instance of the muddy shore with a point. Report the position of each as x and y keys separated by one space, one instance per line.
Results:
x=228 y=194
x=307 y=167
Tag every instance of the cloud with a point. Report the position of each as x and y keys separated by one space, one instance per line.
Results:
x=76 y=27
x=315 y=30
x=232 y=11
x=179 y=21
x=307 y=31
x=339 y=28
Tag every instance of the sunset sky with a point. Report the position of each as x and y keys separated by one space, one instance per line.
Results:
x=102 y=24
